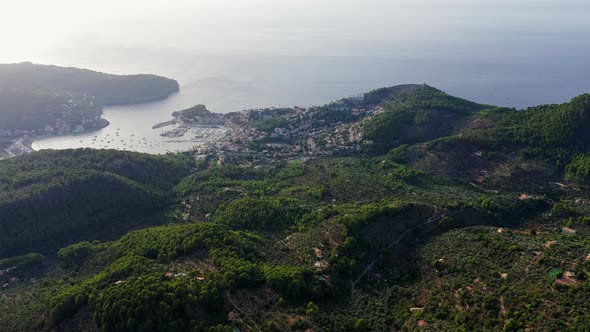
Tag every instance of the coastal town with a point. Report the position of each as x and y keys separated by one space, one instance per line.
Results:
x=78 y=114
x=258 y=136
x=247 y=137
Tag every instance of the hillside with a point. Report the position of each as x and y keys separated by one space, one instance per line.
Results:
x=52 y=198
x=32 y=96
x=502 y=147
x=417 y=115
x=192 y=112
x=463 y=217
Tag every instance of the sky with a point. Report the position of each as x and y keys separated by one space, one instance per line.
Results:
x=262 y=48
x=29 y=29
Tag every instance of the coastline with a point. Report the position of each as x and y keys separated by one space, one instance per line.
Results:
x=124 y=134
x=28 y=141
x=24 y=144
x=144 y=100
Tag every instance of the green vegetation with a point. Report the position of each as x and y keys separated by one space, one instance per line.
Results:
x=32 y=96
x=579 y=169
x=261 y=213
x=267 y=120
x=189 y=114
x=53 y=198
x=21 y=261
x=269 y=125
x=326 y=115
x=76 y=254
x=462 y=218
x=550 y=126
x=34 y=108
x=421 y=115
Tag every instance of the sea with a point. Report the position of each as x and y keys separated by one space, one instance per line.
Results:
x=243 y=54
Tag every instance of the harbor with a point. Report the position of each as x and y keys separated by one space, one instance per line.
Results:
x=139 y=128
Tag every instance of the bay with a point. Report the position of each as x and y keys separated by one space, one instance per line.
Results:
x=234 y=55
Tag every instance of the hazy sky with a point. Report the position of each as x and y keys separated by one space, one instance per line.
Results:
x=31 y=28
x=233 y=53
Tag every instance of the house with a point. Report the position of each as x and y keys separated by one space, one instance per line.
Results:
x=567 y=279
x=567 y=230
x=320 y=265
x=339 y=108
x=360 y=98
x=318 y=252
x=550 y=244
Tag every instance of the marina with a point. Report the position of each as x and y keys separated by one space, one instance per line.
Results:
x=132 y=129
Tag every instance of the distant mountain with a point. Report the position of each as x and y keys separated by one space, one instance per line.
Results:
x=32 y=96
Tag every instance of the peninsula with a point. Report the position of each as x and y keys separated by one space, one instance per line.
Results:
x=38 y=100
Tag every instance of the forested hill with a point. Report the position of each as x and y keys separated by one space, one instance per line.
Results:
x=52 y=198
x=107 y=88
x=495 y=147
x=455 y=216
x=416 y=114
x=31 y=94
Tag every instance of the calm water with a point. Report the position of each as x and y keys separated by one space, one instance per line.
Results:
x=131 y=129
x=232 y=55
